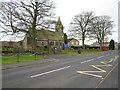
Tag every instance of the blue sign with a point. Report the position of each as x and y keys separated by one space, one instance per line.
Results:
x=65 y=45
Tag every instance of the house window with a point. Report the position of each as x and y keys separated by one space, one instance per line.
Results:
x=72 y=43
x=76 y=43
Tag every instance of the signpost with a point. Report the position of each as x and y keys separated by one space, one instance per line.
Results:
x=65 y=45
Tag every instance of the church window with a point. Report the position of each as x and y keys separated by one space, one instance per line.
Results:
x=42 y=43
x=52 y=43
x=21 y=43
x=28 y=40
x=60 y=44
x=56 y=43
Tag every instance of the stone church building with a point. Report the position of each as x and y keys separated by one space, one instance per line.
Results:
x=46 y=39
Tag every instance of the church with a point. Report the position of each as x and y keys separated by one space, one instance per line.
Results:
x=46 y=39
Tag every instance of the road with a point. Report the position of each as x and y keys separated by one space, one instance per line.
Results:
x=98 y=70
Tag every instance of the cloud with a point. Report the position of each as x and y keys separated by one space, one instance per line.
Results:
x=66 y=9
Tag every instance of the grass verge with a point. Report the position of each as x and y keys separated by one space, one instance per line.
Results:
x=90 y=52
x=9 y=59
x=82 y=53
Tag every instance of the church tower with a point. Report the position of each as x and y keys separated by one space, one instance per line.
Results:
x=59 y=27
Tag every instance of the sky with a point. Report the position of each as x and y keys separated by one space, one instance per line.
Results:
x=66 y=9
x=119 y=22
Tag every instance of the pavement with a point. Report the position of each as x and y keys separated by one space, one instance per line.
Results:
x=23 y=64
x=52 y=57
x=98 y=70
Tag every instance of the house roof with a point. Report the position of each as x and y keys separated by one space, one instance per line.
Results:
x=71 y=39
x=47 y=34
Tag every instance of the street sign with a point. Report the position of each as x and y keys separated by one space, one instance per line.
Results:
x=65 y=45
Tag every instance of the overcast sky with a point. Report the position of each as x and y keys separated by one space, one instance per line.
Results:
x=66 y=9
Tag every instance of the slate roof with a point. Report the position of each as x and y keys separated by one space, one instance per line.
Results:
x=47 y=34
x=71 y=39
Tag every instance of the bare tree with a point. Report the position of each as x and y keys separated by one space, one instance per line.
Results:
x=101 y=28
x=26 y=17
x=80 y=26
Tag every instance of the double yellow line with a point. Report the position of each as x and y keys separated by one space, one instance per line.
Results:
x=96 y=67
x=99 y=70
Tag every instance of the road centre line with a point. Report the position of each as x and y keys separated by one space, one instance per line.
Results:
x=100 y=56
x=83 y=62
x=87 y=61
x=90 y=60
x=50 y=71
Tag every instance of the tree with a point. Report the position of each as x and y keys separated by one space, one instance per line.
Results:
x=26 y=17
x=112 y=45
x=80 y=26
x=65 y=39
x=101 y=28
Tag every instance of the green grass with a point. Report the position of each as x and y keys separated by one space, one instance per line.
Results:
x=89 y=52
x=82 y=53
x=68 y=53
x=8 y=59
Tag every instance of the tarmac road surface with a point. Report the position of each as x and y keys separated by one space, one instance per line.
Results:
x=98 y=70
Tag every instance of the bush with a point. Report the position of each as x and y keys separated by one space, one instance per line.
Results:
x=87 y=47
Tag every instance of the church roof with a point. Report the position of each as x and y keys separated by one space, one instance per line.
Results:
x=47 y=34
x=59 y=25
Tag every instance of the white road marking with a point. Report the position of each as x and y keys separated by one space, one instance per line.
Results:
x=83 y=62
x=116 y=58
x=111 y=59
x=106 y=76
x=100 y=56
x=90 y=60
x=50 y=72
x=87 y=61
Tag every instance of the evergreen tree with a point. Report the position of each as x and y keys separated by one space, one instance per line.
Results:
x=65 y=39
x=112 y=45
